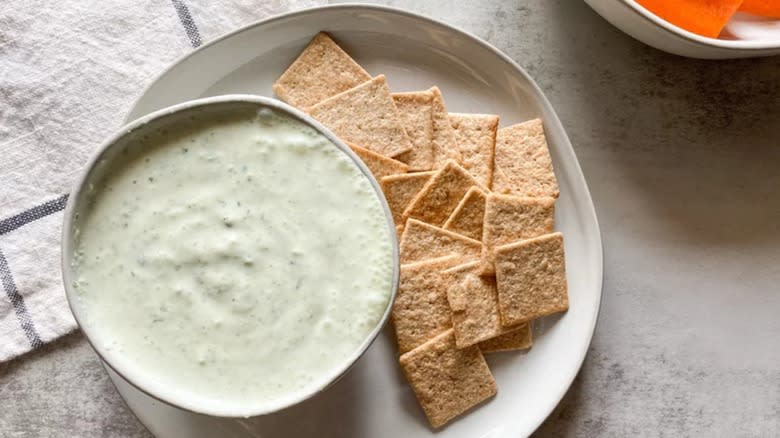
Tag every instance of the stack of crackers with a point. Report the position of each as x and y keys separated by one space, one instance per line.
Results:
x=474 y=205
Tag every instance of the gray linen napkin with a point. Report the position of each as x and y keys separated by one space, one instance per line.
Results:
x=69 y=71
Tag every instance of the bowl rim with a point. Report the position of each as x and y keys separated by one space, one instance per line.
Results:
x=68 y=244
x=737 y=45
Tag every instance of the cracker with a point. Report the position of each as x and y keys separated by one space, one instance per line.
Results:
x=475 y=136
x=365 y=115
x=519 y=338
x=511 y=218
x=474 y=303
x=415 y=109
x=445 y=146
x=399 y=191
x=420 y=310
x=522 y=165
x=322 y=70
x=531 y=279
x=447 y=381
x=421 y=241
x=379 y=165
x=468 y=216
x=438 y=199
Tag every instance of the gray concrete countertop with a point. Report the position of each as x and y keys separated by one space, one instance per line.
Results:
x=683 y=160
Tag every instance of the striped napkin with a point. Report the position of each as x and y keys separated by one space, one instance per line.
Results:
x=69 y=71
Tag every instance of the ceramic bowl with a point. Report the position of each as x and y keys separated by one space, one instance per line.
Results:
x=78 y=201
x=745 y=35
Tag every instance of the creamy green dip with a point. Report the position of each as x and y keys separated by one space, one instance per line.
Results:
x=232 y=263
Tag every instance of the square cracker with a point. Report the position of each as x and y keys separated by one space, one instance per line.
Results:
x=447 y=381
x=365 y=115
x=474 y=303
x=475 y=136
x=379 y=165
x=519 y=338
x=415 y=109
x=400 y=189
x=531 y=279
x=420 y=310
x=322 y=70
x=512 y=218
x=421 y=241
x=438 y=199
x=445 y=146
x=522 y=165
x=468 y=216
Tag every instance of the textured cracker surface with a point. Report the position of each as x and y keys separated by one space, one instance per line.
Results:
x=445 y=146
x=475 y=135
x=438 y=199
x=516 y=339
x=420 y=310
x=474 y=303
x=531 y=279
x=447 y=381
x=379 y=165
x=415 y=109
x=399 y=191
x=422 y=241
x=468 y=216
x=522 y=164
x=322 y=70
x=511 y=218
x=365 y=115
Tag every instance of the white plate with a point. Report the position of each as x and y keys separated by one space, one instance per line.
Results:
x=415 y=53
x=744 y=36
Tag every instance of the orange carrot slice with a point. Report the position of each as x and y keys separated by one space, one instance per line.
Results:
x=704 y=17
x=765 y=8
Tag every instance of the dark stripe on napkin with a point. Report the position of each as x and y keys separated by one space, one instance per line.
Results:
x=186 y=20
x=33 y=214
x=9 y=286
x=18 y=303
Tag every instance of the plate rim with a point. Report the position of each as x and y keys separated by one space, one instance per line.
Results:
x=545 y=103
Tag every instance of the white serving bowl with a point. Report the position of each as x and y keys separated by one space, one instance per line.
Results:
x=745 y=35
x=78 y=201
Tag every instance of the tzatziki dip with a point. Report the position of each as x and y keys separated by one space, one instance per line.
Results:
x=232 y=261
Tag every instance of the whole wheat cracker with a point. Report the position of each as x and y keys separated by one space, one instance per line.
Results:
x=511 y=218
x=522 y=164
x=474 y=303
x=379 y=165
x=421 y=241
x=400 y=189
x=446 y=380
x=415 y=109
x=531 y=279
x=445 y=145
x=365 y=115
x=322 y=70
x=420 y=310
x=468 y=216
x=519 y=338
x=475 y=136
x=441 y=194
